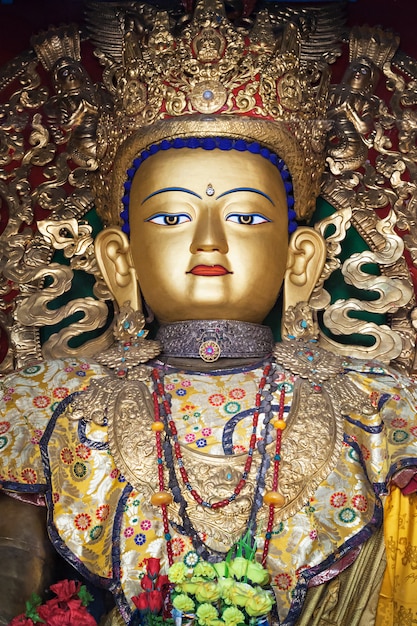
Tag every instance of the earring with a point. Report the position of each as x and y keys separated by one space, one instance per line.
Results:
x=298 y=323
x=131 y=348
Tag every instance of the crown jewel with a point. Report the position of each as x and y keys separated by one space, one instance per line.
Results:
x=208 y=67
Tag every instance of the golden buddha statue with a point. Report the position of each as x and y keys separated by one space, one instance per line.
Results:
x=176 y=447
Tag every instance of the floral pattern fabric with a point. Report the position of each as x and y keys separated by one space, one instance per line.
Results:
x=108 y=530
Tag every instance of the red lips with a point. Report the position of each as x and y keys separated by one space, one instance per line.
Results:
x=209 y=270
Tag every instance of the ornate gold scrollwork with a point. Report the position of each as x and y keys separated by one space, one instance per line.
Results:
x=45 y=180
x=52 y=168
x=356 y=185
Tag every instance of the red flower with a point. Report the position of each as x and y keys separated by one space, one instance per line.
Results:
x=21 y=620
x=156 y=601
x=68 y=613
x=152 y=598
x=82 y=521
x=67 y=608
x=153 y=566
x=141 y=601
x=146 y=583
x=162 y=581
x=65 y=589
x=149 y=600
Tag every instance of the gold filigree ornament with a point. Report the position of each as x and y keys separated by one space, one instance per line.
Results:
x=132 y=348
x=366 y=173
x=128 y=408
x=67 y=141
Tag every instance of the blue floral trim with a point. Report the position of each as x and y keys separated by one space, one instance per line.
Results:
x=373 y=430
x=43 y=444
x=23 y=487
x=165 y=368
x=227 y=437
x=210 y=143
x=347 y=439
x=95 y=445
x=120 y=597
x=383 y=399
x=229 y=429
x=59 y=545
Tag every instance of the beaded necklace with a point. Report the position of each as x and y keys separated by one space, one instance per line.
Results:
x=163 y=422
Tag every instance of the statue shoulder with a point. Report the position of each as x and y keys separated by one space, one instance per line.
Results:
x=41 y=386
x=381 y=376
x=28 y=399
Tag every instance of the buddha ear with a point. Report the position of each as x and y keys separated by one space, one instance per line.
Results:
x=306 y=258
x=116 y=265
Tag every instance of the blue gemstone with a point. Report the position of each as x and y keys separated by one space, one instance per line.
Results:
x=208 y=95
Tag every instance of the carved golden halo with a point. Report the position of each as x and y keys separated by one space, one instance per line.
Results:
x=67 y=195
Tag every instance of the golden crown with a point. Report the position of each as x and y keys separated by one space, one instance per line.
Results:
x=375 y=44
x=209 y=78
x=57 y=43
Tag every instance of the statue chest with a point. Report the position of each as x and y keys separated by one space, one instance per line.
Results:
x=206 y=458
x=328 y=499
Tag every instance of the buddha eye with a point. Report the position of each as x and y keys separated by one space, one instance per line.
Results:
x=169 y=219
x=248 y=219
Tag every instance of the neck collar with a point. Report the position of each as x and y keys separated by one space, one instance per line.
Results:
x=210 y=340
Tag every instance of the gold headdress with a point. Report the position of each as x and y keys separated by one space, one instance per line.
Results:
x=51 y=46
x=211 y=79
x=172 y=76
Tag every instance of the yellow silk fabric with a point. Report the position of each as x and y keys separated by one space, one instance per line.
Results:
x=398 y=599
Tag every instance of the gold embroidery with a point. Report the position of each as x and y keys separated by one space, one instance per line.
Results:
x=311 y=447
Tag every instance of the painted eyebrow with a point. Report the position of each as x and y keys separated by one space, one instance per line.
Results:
x=165 y=189
x=252 y=189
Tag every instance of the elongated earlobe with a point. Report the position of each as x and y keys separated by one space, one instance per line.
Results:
x=115 y=262
x=306 y=258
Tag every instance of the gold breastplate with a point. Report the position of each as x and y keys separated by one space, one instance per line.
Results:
x=310 y=449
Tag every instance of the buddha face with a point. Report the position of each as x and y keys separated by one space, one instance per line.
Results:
x=208 y=234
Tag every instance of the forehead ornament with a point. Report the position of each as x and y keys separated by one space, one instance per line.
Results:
x=218 y=80
x=208 y=143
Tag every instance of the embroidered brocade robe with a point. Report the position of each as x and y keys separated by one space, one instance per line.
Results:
x=337 y=464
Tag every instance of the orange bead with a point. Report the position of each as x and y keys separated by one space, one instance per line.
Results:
x=157 y=427
x=280 y=425
x=275 y=498
x=160 y=498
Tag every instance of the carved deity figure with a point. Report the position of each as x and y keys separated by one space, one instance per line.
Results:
x=352 y=111
x=74 y=108
x=177 y=446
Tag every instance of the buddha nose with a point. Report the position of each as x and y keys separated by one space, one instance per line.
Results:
x=209 y=235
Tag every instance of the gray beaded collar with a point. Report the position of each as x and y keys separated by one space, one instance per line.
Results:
x=210 y=340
